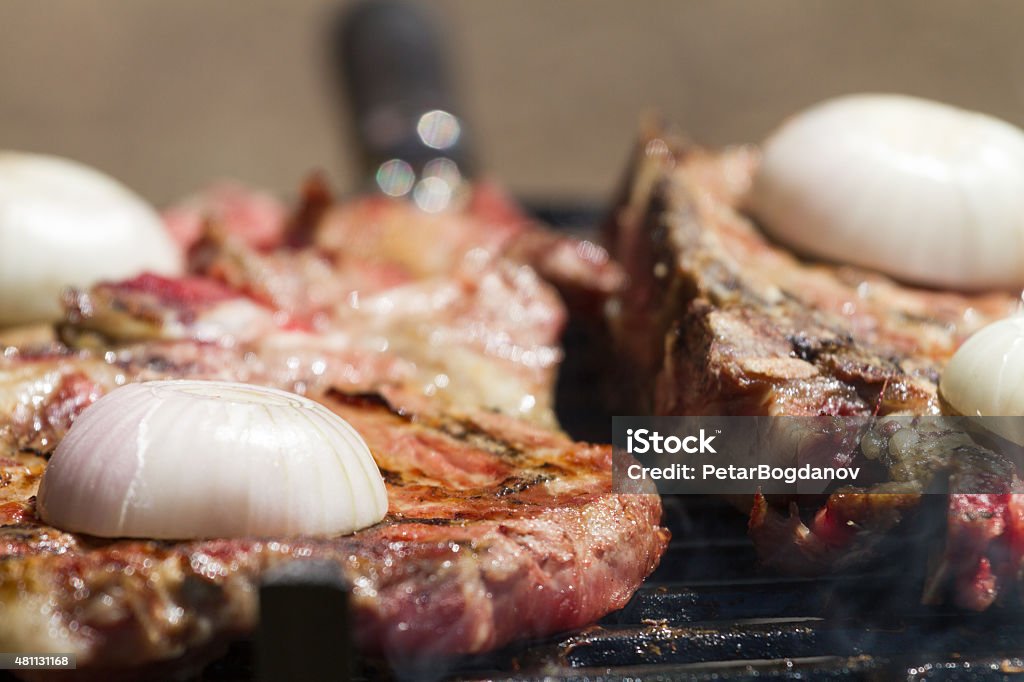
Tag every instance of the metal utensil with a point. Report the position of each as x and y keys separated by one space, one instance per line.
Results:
x=412 y=141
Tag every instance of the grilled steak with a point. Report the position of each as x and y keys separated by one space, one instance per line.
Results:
x=717 y=320
x=499 y=526
x=496 y=530
x=721 y=321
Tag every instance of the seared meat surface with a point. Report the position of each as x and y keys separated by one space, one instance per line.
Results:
x=499 y=526
x=722 y=321
x=718 y=320
x=496 y=530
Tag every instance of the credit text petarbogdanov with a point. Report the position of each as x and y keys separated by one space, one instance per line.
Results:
x=645 y=441
x=761 y=472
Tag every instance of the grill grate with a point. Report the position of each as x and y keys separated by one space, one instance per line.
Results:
x=707 y=613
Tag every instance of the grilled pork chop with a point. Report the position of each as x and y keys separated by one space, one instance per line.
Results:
x=499 y=526
x=717 y=320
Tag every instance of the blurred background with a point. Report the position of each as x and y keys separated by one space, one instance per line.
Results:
x=170 y=95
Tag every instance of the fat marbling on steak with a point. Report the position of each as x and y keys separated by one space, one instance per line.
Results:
x=718 y=320
x=499 y=526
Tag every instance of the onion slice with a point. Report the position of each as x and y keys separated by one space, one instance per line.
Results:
x=985 y=379
x=65 y=224
x=922 y=191
x=201 y=459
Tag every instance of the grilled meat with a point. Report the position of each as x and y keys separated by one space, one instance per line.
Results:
x=921 y=455
x=496 y=530
x=499 y=526
x=722 y=321
x=717 y=320
x=390 y=237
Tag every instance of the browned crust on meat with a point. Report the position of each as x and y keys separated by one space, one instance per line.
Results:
x=497 y=530
x=722 y=321
x=719 y=320
x=426 y=333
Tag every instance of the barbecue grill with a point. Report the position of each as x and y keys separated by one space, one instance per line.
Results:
x=707 y=612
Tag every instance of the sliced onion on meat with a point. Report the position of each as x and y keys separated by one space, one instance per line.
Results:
x=65 y=224
x=201 y=459
x=922 y=191
x=985 y=378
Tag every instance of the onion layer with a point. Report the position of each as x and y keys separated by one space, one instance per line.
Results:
x=200 y=459
x=65 y=224
x=922 y=191
x=985 y=378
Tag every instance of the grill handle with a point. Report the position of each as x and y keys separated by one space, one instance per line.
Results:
x=389 y=55
x=304 y=632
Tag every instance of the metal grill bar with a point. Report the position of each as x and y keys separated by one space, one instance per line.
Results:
x=817 y=668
